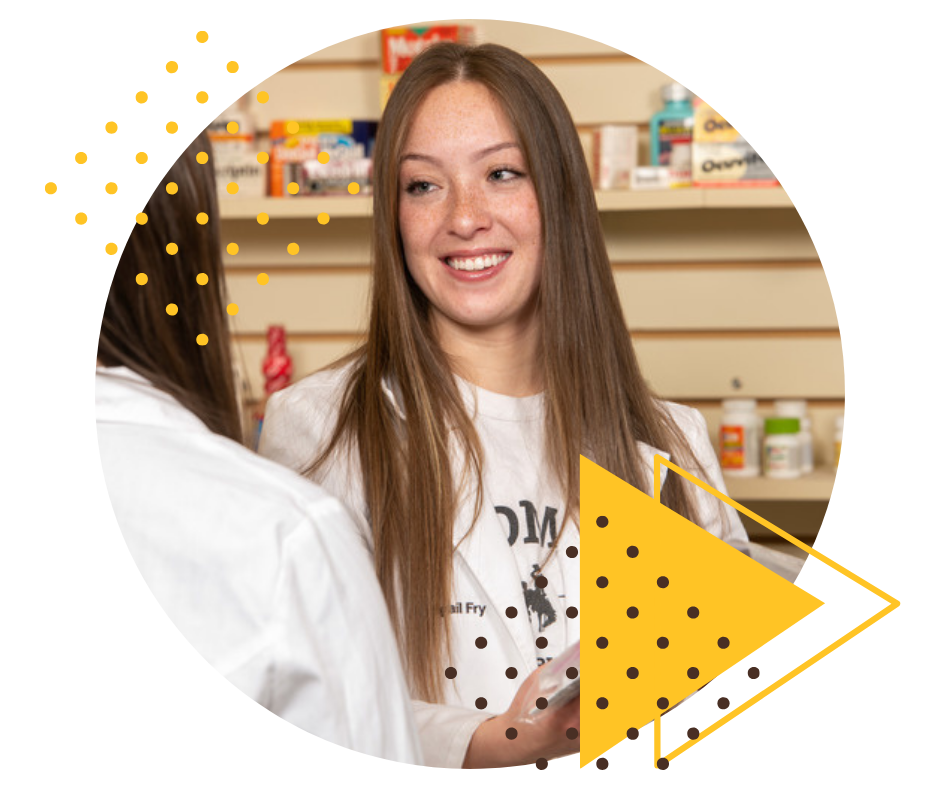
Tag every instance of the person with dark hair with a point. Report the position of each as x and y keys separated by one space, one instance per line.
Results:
x=497 y=353
x=262 y=571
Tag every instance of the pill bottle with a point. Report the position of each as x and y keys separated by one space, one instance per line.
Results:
x=840 y=419
x=796 y=409
x=672 y=125
x=739 y=437
x=782 y=448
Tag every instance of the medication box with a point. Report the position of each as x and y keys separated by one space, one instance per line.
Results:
x=721 y=156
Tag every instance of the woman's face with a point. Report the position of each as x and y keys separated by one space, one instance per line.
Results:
x=468 y=212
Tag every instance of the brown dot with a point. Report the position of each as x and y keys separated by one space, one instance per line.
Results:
x=481 y=642
x=662 y=582
x=723 y=703
x=450 y=673
x=511 y=612
x=692 y=612
x=662 y=763
x=692 y=673
x=723 y=642
x=572 y=733
x=572 y=612
x=511 y=673
x=572 y=673
x=541 y=582
x=481 y=703
x=753 y=673
x=602 y=703
x=663 y=642
x=693 y=733
x=602 y=642
x=633 y=734
x=602 y=763
x=511 y=733
x=541 y=703
x=541 y=763
x=663 y=703
x=632 y=673
x=602 y=522
x=602 y=582
x=632 y=612
x=541 y=642
x=632 y=552
x=572 y=552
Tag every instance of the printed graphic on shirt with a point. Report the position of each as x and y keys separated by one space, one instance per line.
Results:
x=536 y=601
x=535 y=528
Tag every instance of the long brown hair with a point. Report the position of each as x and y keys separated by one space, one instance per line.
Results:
x=596 y=399
x=136 y=330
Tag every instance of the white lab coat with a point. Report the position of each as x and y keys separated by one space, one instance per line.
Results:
x=258 y=568
x=297 y=423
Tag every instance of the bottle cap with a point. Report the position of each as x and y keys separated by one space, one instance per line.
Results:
x=778 y=426
x=790 y=407
x=739 y=404
x=675 y=92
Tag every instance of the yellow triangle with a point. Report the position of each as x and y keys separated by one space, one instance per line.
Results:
x=735 y=598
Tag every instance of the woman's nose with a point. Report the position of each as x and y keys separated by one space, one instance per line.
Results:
x=469 y=211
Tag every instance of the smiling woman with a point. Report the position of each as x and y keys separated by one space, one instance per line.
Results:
x=496 y=354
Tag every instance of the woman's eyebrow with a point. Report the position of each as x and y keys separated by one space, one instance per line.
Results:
x=481 y=154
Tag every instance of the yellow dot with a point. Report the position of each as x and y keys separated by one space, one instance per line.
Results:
x=323 y=157
x=202 y=97
x=80 y=218
x=172 y=309
x=232 y=309
x=202 y=218
x=202 y=157
x=263 y=218
x=202 y=339
x=262 y=158
x=353 y=188
x=293 y=127
x=172 y=66
x=141 y=218
x=293 y=248
x=231 y=67
x=141 y=279
x=323 y=218
x=232 y=127
x=81 y=158
x=141 y=97
x=263 y=97
x=202 y=279
x=263 y=279
x=172 y=188
x=110 y=127
x=111 y=188
x=293 y=188
x=232 y=248
x=172 y=128
x=141 y=158
x=111 y=248
x=172 y=248
x=232 y=188
x=51 y=188
x=202 y=36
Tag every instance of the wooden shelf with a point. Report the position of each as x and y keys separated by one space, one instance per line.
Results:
x=342 y=207
x=816 y=486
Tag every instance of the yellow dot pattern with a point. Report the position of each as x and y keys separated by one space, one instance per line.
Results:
x=263 y=158
x=353 y=188
x=172 y=309
x=172 y=127
x=172 y=67
x=231 y=67
x=232 y=127
x=323 y=218
x=202 y=97
x=263 y=218
x=51 y=188
x=293 y=248
x=110 y=127
x=263 y=279
x=141 y=218
x=172 y=248
x=293 y=188
x=141 y=279
x=141 y=158
x=81 y=158
x=202 y=218
x=202 y=36
x=263 y=97
x=232 y=188
x=232 y=309
x=80 y=218
x=202 y=339
x=232 y=249
x=111 y=188
x=202 y=279
x=141 y=97
x=292 y=127
x=323 y=157
x=111 y=248
x=202 y=157
x=172 y=188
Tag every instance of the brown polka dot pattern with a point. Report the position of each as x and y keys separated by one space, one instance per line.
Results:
x=633 y=734
x=723 y=642
x=541 y=642
x=511 y=612
x=541 y=703
x=693 y=733
x=450 y=673
x=572 y=612
x=572 y=733
x=572 y=552
x=723 y=703
x=602 y=522
x=511 y=733
x=602 y=643
x=602 y=763
x=481 y=642
x=662 y=763
x=572 y=673
x=541 y=763
x=511 y=673
x=480 y=703
x=633 y=551
x=753 y=673
x=632 y=673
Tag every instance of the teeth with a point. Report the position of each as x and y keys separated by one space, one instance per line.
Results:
x=476 y=263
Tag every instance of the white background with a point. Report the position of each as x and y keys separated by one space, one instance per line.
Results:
x=99 y=687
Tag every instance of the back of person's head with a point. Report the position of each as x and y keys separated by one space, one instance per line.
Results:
x=152 y=328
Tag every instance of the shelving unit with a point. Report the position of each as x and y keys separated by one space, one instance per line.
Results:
x=816 y=486
x=340 y=206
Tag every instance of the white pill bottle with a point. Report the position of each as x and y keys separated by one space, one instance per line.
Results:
x=739 y=437
x=783 y=448
x=796 y=409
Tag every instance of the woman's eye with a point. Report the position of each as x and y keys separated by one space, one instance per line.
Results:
x=505 y=174
x=418 y=187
